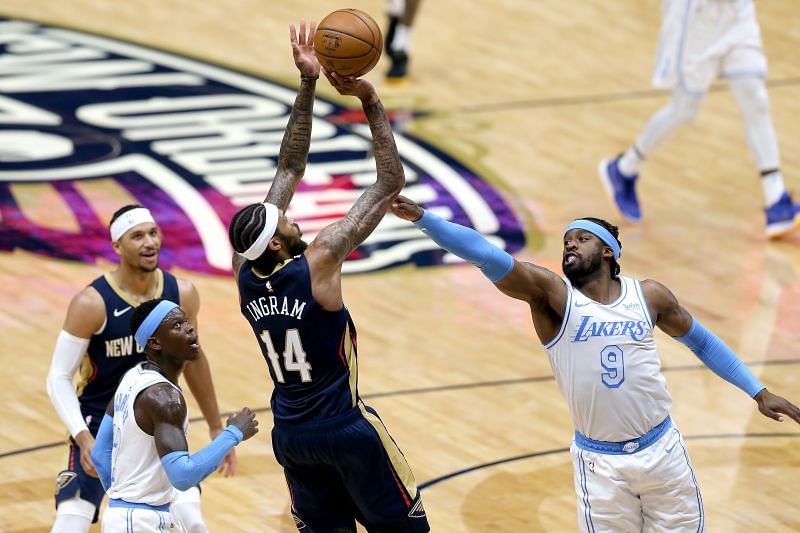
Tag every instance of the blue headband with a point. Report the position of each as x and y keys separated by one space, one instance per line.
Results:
x=598 y=231
x=152 y=321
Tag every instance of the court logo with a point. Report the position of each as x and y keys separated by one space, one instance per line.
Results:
x=88 y=124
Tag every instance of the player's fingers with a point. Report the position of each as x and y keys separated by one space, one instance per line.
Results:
x=312 y=32
x=302 y=39
x=292 y=34
x=771 y=413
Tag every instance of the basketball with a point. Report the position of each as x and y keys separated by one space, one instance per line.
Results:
x=348 y=42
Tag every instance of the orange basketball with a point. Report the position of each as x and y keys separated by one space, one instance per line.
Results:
x=348 y=42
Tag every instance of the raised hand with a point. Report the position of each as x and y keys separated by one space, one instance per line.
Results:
x=772 y=406
x=303 y=49
x=246 y=421
x=406 y=208
x=350 y=86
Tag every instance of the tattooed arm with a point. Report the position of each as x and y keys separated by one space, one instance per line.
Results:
x=297 y=137
x=335 y=242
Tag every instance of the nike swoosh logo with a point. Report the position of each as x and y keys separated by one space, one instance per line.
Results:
x=118 y=313
x=582 y=305
x=669 y=450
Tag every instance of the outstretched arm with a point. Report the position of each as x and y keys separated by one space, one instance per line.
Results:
x=297 y=136
x=335 y=242
x=161 y=411
x=676 y=321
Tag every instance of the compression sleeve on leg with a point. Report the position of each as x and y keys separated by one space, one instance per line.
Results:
x=467 y=244
x=101 y=452
x=185 y=471
x=717 y=356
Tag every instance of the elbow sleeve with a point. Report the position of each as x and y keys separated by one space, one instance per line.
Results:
x=185 y=471
x=67 y=356
x=717 y=356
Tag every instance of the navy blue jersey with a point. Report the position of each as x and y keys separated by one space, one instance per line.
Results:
x=112 y=352
x=310 y=352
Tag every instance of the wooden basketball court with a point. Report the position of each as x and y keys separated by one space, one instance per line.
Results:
x=534 y=94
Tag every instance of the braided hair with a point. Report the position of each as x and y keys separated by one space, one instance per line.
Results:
x=614 y=231
x=244 y=229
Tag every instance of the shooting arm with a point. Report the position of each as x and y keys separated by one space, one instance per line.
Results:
x=294 y=147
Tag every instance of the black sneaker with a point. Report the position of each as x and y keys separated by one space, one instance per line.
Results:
x=399 y=68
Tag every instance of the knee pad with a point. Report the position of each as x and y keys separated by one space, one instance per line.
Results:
x=74 y=516
x=751 y=96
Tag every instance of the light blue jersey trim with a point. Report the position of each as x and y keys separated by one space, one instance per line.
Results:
x=640 y=294
x=623 y=448
x=114 y=502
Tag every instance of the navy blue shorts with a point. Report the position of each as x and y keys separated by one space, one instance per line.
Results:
x=74 y=481
x=345 y=469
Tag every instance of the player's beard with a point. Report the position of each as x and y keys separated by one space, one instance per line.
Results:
x=297 y=247
x=583 y=268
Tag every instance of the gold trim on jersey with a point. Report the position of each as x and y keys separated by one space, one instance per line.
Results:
x=277 y=267
x=157 y=294
x=349 y=351
x=396 y=457
x=85 y=373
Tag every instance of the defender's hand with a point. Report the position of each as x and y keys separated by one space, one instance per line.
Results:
x=772 y=405
x=246 y=421
x=406 y=209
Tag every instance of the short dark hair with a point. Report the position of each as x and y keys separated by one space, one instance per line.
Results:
x=141 y=312
x=121 y=211
x=244 y=229
x=614 y=231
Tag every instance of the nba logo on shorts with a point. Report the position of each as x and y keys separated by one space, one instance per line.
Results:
x=630 y=447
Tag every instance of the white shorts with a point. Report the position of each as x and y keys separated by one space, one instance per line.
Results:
x=702 y=40
x=138 y=520
x=653 y=489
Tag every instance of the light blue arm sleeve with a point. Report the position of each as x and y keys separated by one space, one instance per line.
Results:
x=467 y=244
x=717 y=356
x=185 y=471
x=101 y=453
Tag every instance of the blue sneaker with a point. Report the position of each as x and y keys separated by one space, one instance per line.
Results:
x=621 y=190
x=782 y=217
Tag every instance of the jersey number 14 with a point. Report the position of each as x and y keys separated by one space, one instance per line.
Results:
x=294 y=357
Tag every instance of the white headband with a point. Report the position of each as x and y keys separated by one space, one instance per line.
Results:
x=129 y=219
x=270 y=225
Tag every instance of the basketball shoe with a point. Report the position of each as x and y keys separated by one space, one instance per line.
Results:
x=621 y=190
x=399 y=69
x=782 y=217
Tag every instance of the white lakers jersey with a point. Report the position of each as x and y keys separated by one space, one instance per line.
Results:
x=136 y=472
x=605 y=363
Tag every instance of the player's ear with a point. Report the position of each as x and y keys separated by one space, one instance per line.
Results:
x=275 y=244
x=116 y=247
x=154 y=344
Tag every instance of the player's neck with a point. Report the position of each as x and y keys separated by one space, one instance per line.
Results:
x=165 y=369
x=601 y=289
x=137 y=284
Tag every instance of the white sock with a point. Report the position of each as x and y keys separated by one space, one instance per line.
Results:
x=630 y=163
x=773 y=187
x=402 y=38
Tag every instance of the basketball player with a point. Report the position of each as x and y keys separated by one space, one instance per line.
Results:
x=401 y=14
x=141 y=451
x=700 y=41
x=632 y=472
x=96 y=337
x=341 y=465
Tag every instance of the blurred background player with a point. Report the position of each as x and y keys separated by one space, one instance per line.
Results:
x=401 y=15
x=96 y=338
x=701 y=41
x=141 y=451
x=340 y=462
